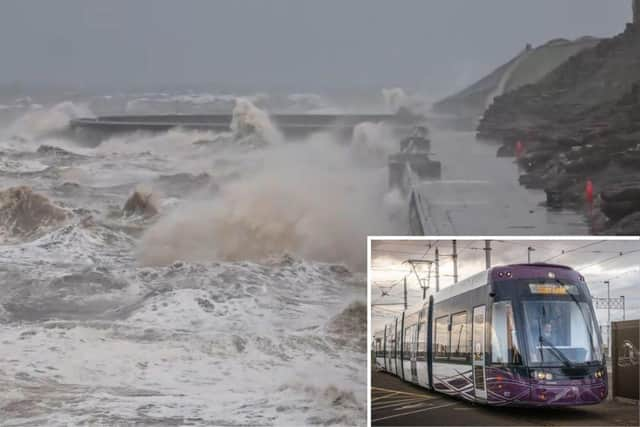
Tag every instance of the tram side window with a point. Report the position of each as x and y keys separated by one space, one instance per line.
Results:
x=387 y=346
x=412 y=339
x=504 y=340
x=408 y=342
x=459 y=344
x=442 y=337
x=422 y=344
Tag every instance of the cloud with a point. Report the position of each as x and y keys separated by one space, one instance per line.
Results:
x=622 y=271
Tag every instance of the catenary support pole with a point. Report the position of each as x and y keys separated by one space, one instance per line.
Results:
x=455 y=261
x=437 y=262
x=487 y=254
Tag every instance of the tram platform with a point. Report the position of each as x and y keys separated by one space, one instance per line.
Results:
x=395 y=403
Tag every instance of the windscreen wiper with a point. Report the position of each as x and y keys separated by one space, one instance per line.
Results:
x=574 y=299
x=559 y=354
x=540 y=341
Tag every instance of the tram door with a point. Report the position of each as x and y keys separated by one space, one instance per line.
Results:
x=396 y=348
x=478 y=331
x=384 y=348
x=389 y=349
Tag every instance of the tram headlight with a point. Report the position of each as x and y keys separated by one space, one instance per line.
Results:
x=599 y=373
x=541 y=375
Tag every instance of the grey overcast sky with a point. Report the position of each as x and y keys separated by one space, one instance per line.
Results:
x=431 y=45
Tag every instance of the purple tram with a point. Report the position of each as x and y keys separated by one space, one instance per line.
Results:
x=519 y=335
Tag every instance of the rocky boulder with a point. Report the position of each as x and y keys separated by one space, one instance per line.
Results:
x=627 y=226
x=621 y=200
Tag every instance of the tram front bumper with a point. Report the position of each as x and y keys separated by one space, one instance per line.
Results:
x=588 y=391
x=522 y=388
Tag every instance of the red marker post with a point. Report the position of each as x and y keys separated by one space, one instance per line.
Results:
x=588 y=191
x=519 y=149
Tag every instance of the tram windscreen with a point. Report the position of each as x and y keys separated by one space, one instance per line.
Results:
x=560 y=332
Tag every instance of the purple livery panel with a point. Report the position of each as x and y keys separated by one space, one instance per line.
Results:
x=505 y=387
x=458 y=384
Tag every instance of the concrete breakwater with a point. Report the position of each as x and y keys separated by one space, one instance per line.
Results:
x=291 y=125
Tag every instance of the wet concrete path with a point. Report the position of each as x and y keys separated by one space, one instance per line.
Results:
x=479 y=194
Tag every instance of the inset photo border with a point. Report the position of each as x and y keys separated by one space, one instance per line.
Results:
x=458 y=323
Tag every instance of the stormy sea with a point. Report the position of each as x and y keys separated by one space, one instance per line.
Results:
x=185 y=278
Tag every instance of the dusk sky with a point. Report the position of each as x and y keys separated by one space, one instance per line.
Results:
x=597 y=260
x=434 y=46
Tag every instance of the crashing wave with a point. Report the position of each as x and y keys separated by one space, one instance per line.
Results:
x=303 y=199
x=349 y=327
x=185 y=103
x=179 y=184
x=307 y=102
x=399 y=102
x=142 y=202
x=372 y=143
x=23 y=212
x=74 y=243
x=248 y=120
x=42 y=122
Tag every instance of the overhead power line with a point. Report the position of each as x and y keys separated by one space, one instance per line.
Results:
x=568 y=251
x=393 y=251
x=615 y=257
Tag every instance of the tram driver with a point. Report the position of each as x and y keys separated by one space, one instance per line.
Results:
x=548 y=333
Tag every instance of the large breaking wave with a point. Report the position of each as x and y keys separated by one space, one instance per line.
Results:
x=235 y=300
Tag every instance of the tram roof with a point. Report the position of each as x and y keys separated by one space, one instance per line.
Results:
x=478 y=280
x=462 y=286
x=483 y=278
